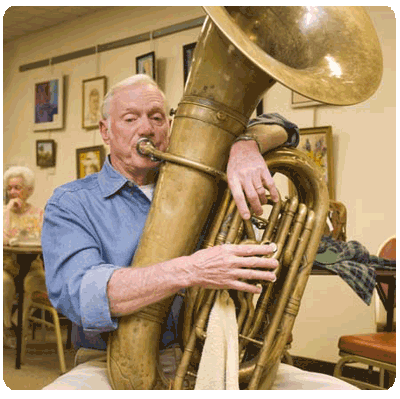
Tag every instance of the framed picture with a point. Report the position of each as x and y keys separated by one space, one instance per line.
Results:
x=45 y=153
x=147 y=64
x=49 y=103
x=188 y=51
x=89 y=160
x=93 y=92
x=317 y=143
x=299 y=101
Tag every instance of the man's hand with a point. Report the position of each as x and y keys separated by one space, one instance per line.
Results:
x=248 y=177
x=226 y=266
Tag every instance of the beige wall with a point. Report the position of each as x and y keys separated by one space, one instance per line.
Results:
x=363 y=150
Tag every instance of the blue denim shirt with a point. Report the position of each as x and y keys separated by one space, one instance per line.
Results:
x=91 y=228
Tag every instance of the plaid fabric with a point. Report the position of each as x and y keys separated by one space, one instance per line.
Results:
x=354 y=265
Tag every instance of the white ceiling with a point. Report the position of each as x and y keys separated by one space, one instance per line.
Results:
x=21 y=21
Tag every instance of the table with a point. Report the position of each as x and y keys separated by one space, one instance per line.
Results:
x=24 y=259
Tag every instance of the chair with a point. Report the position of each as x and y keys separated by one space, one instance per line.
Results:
x=40 y=300
x=375 y=350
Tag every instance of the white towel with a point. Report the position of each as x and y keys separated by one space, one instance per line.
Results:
x=219 y=364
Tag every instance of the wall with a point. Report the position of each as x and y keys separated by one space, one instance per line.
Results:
x=19 y=138
x=363 y=150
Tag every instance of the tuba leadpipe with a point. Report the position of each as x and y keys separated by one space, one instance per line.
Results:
x=330 y=54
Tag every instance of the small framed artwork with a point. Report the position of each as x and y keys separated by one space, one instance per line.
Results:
x=317 y=144
x=45 y=153
x=188 y=51
x=49 y=103
x=93 y=92
x=300 y=101
x=146 y=64
x=89 y=160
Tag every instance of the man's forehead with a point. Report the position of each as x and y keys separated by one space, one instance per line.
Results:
x=139 y=94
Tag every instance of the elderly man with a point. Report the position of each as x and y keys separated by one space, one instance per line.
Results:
x=22 y=223
x=92 y=228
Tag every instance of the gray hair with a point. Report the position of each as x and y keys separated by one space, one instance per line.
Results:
x=134 y=80
x=20 y=171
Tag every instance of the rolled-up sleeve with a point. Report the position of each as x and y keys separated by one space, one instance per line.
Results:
x=292 y=129
x=95 y=310
x=76 y=274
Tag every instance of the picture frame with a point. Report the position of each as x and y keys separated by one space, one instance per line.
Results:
x=93 y=92
x=317 y=143
x=45 y=153
x=300 y=101
x=89 y=160
x=48 y=100
x=146 y=64
x=188 y=50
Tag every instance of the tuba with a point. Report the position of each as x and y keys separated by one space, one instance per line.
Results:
x=329 y=54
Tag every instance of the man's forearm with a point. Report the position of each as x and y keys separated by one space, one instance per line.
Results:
x=130 y=289
x=220 y=267
x=268 y=137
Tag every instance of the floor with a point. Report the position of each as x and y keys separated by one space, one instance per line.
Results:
x=41 y=365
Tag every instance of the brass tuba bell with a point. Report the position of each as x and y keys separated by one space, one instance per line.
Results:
x=330 y=54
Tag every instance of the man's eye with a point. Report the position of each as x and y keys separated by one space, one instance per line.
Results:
x=157 y=118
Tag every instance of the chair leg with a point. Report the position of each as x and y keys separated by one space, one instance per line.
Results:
x=60 y=348
x=382 y=366
x=382 y=377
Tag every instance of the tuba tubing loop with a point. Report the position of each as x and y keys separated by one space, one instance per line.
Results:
x=252 y=372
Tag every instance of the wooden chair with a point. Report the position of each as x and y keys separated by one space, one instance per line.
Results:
x=40 y=300
x=374 y=350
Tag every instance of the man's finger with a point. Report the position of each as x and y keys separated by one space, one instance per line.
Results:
x=252 y=249
x=253 y=197
x=269 y=182
x=240 y=200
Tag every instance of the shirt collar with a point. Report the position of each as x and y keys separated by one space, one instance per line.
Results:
x=110 y=181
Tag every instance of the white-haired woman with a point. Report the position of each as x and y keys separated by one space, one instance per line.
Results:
x=22 y=222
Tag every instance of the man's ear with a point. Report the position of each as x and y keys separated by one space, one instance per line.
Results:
x=103 y=125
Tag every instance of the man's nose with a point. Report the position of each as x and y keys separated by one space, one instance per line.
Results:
x=146 y=128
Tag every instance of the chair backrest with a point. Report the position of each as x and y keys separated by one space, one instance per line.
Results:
x=388 y=249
